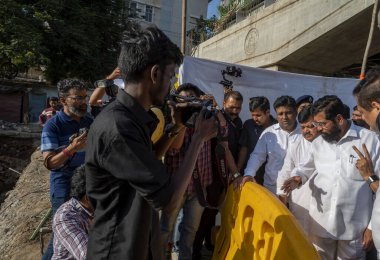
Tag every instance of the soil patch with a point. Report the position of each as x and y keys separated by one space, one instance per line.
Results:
x=25 y=197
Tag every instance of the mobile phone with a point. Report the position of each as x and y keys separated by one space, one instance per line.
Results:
x=83 y=130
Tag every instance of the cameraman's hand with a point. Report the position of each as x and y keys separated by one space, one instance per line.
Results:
x=209 y=97
x=206 y=128
x=115 y=74
x=222 y=119
x=77 y=143
x=175 y=113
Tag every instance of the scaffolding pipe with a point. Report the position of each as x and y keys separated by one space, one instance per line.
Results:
x=370 y=36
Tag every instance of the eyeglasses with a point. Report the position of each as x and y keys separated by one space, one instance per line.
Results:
x=79 y=98
x=320 y=124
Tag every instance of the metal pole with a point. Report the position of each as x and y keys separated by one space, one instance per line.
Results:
x=364 y=63
x=183 y=39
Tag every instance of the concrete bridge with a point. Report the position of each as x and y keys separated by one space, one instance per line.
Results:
x=306 y=36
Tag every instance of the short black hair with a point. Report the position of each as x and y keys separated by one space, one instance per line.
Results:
x=347 y=112
x=78 y=183
x=261 y=103
x=305 y=115
x=64 y=86
x=233 y=94
x=141 y=48
x=284 y=101
x=189 y=86
x=331 y=105
x=53 y=99
x=368 y=89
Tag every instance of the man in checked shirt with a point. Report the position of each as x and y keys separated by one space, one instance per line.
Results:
x=192 y=209
x=72 y=221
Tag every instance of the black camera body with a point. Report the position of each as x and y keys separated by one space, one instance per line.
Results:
x=193 y=109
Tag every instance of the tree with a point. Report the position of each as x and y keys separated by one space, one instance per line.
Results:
x=203 y=30
x=20 y=35
x=72 y=38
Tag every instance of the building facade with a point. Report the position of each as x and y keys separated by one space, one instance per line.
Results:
x=167 y=14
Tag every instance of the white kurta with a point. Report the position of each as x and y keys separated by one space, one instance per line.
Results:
x=342 y=201
x=271 y=147
x=299 y=200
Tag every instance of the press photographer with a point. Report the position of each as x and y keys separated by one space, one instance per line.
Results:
x=191 y=100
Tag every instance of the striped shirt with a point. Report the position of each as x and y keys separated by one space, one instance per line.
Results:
x=70 y=226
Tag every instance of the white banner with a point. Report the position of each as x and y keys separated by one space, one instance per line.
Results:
x=207 y=75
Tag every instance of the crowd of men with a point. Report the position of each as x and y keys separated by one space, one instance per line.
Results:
x=117 y=195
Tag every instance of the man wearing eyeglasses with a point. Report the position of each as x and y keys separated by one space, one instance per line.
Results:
x=61 y=144
x=342 y=200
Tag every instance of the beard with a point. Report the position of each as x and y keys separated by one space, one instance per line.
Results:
x=78 y=111
x=360 y=122
x=333 y=135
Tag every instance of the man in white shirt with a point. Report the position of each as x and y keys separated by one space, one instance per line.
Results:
x=297 y=152
x=367 y=95
x=272 y=144
x=342 y=201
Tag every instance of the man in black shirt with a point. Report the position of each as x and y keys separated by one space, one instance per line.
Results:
x=252 y=129
x=125 y=182
x=232 y=103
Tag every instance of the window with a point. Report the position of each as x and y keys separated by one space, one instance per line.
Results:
x=133 y=9
x=148 y=13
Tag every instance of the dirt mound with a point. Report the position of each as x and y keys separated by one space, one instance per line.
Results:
x=14 y=157
x=23 y=209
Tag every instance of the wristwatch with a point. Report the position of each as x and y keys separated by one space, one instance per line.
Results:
x=103 y=83
x=236 y=174
x=372 y=179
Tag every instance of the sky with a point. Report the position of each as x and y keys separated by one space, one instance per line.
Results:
x=213 y=8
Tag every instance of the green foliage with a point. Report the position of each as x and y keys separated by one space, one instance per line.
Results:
x=223 y=10
x=72 y=38
x=203 y=30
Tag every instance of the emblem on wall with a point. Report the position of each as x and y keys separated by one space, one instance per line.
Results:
x=251 y=41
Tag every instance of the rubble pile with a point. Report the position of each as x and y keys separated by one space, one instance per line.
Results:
x=8 y=126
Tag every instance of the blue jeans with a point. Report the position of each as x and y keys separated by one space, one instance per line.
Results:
x=192 y=213
x=177 y=231
x=56 y=202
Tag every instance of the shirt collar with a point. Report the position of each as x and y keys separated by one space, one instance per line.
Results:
x=296 y=130
x=353 y=131
x=228 y=118
x=80 y=207
x=131 y=103
x=63 y=116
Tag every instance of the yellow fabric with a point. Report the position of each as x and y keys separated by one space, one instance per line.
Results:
x=160 y=126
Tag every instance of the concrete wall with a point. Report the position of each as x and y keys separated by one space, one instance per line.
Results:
x=273 y=33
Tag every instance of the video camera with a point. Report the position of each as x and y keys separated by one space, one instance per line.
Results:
x=191 y=107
